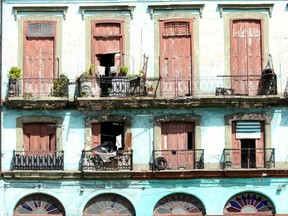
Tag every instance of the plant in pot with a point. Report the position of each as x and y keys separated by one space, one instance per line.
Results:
x=14 y=74
x=60 y=86
x=123 y=71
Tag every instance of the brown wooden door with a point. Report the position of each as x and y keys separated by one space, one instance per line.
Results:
x=39 y=138
x=175 y=137
x=246 y=56
x=107 y=38
x=39 y=58
x=176 y=57
x=96 y=134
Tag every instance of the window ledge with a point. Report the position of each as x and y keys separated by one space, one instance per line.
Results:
x=107 y=8
x=199 y=7
x=223 y=7
x=62 y=9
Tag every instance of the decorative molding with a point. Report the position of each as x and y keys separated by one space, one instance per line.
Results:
x=223 y=7
x=199 y=7
x=107 y=8
x=62 y=9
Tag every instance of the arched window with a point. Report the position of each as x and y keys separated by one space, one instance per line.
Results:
x=109 y=204
x=39 y=204
x=179 y=204
x=249 y=203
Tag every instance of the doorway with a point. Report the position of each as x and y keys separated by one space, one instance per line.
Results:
x=248 y=156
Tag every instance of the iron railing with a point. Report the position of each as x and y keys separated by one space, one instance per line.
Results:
x=26 y=160
x=178 y=159
x=248 y=158
x=111 y=86
x=203 y=86
x=38 y=87
x=120 y=160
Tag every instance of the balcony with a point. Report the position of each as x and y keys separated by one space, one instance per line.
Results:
x=248 y=158
x=178 y=159
x=111 y=86
x=120 y=160
x=38 y=92
x=24 y=160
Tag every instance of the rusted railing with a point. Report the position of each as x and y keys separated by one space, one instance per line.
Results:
x=178 y=159
x=120 y=160
x=248 y=158
x=111 y=86
x=38 y=87
x=220 y=85
x=24 y=160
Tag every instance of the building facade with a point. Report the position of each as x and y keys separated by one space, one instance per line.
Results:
x=144 y=108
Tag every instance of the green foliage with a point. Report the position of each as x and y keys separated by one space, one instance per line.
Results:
x=14 y=73
x=90 y=72
x=60 y=86
x=123 y=71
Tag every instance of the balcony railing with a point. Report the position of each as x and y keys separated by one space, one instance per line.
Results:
x=38 y=87
x=248 y=158
x=120 y=160
x=178 y=159
x=210 y=86
x=111 y=86
x=24 y=160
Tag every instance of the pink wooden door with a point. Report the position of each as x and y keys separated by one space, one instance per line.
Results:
x=107 y=38
x=39 y=138
x=175 y=137
x=260 y=145
x=176 y=57
x=39 y=58
x=96 y=135
x=246 y=56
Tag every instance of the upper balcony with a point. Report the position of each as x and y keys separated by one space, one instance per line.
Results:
x=145 y=92
x=142 y=92
x=38 y=92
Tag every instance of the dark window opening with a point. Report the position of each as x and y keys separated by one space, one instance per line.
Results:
x=107 y=61
x=189 y=140
x=113 y=132
x=248 y=156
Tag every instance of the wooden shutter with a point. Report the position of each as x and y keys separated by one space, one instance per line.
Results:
x=39 y=138
x=96 y=134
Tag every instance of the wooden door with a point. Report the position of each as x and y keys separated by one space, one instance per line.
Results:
x=246 y=56
x=96 y=135
x=39 y=138
x=175 y=138
x=39 y=58
x=176 y=57
x=107 y=38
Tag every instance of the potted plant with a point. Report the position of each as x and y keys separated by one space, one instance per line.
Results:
x=123 y=71
x=60 y=86
x=88 y=85
x=14 y=74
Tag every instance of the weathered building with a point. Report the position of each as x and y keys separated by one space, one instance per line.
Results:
x=144 y=108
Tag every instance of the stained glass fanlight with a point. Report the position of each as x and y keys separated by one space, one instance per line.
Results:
x=249 y=203
x=39 y=204
x=179 y=204
x=109 y=204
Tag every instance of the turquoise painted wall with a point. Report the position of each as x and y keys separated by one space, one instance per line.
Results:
x=213 y=193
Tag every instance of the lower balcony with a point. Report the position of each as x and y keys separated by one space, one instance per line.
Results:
x=24 y=160
x=119 y=160
x=248 y=158
x=178 y=159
